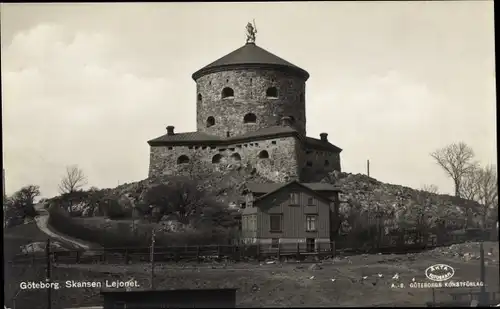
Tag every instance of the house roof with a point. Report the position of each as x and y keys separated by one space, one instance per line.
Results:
x=322 y=186
x=284 y=185
x=271 y=187
x=250 y=56
x=190 y=138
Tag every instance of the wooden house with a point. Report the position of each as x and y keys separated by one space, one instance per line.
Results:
x=290 y=215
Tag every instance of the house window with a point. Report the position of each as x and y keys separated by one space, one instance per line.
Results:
x=244 y=224
x=311 y=223
x=275 y=221
x=275 y=243
x=310 y=201
x=253 y=223
x=249 y=200
x=294 y=198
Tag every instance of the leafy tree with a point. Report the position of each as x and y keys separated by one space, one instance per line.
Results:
x=73 y=180
x=456 y=161
x=188 y=203
x=21 y=204
x=180 y=200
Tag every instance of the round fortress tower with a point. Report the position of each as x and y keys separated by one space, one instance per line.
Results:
x=247 y=90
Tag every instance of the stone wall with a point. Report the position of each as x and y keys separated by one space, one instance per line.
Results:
x=316 y=164
x=281 y=162
x=249 y=87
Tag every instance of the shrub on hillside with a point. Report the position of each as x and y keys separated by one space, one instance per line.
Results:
x=76 y=202
x=113 y=210
x=122 y=235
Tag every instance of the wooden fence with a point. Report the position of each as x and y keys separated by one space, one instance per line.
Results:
x=242 y=252
x=203 y=253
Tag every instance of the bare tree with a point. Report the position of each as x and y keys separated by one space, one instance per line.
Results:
x=469 y=186
x=480 y=185
x=488 y=190
x=73 y=181
x=456 y=160
x=431 y=189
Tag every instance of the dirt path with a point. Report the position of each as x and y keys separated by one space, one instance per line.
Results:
x=42 y=223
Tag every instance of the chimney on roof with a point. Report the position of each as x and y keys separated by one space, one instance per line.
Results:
x=170 y=130
x=324 y=137
x=286 y=121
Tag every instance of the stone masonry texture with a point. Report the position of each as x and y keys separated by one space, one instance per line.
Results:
x=280 y=165
x=250 y=88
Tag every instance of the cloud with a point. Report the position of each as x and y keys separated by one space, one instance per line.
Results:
x=390 y=119
x=73 y=98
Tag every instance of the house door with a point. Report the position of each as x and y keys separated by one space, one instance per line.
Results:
x=310 y=244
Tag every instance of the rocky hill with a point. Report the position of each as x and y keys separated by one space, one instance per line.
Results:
x=361 y=195
x=226 y=186
x=365 y=195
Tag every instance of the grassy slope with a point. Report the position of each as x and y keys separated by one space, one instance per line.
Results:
x=290 y=284
x=14 y=237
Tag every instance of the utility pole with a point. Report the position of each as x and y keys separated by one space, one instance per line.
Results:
x=368 y=167
x=152 y=259
x=484 y=299
x=47 y=280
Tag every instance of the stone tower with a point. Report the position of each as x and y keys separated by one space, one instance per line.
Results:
x=251 y=111
x=247 y=90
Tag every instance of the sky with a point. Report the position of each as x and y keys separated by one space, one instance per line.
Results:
x=89 y=84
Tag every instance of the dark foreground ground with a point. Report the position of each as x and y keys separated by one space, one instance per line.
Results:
x=363 y=280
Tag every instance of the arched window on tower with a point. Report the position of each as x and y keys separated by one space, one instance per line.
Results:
x=216 y=158
x=236 y=157
x=210 y=121
x=183 y=159
x=272 y=93
x=301 y=98
x=227 y=93
x=263 y=154
x=199 y=98
x=250 y=118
